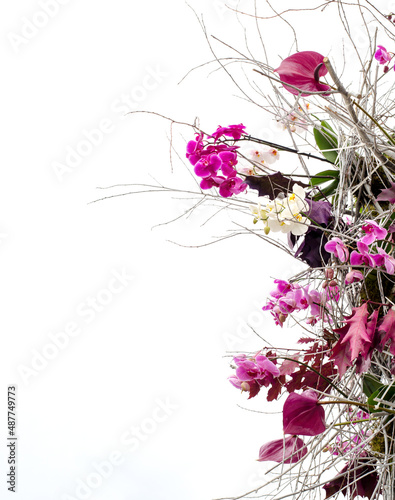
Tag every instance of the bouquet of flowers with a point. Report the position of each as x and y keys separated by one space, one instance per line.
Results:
x=337 y=387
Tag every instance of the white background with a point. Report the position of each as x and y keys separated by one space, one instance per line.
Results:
x=162 y=339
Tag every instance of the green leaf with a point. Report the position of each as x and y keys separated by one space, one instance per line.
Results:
x=325 y=139
x=327 y=191
x=370 y=384
x=324 y=176
x=388 y=390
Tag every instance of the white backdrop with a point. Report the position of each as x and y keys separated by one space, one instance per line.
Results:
x=114 y=336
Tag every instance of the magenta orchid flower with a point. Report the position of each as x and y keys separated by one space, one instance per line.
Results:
x=289 y=450
x=210 y=182
x=208 y=166
x=373 y=232
x=303 y=415
x=382 y=55
x=253 y=373
x=229 y=161
x=353 y=277
x=362 y=258
x=382 y=259
x=303 y=70
x=234 y=131
x=232 y=185
x=194 y=149
x=338 y=248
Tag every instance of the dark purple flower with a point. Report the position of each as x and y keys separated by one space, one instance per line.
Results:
x=232 y=185
x=303 y=415
x=234 y=131
x=289 y=450
x=356 y=478
x=382 y=55
x=373 y=232
x=208 y=166
x=338 y=248
x=303 y=70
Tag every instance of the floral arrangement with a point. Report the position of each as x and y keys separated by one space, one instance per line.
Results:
x=337 y=387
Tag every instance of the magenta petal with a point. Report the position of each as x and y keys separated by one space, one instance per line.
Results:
x=289 y=450
x=303 y=415
x=299 y=70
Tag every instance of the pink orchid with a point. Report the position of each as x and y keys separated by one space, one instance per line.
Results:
x=382 y=55
x=229 y=161
x=234 y=131
x=303 y=415
x=373 y=232
x=382 y=259
x=303 y=70
x=208 y=166
x=362 y=258
x=338 y=248
x=253 y=373
x=353 y=277
x=232 y=185
x=289 y=450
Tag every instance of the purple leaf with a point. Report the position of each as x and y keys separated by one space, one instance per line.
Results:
x=271 y=185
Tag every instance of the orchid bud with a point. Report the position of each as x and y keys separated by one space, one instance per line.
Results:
x=245 y=386
x=333 y=283
x=324 y=285
x=267 y=230
x=282 y=317
x=329 y=273
x=386 y=69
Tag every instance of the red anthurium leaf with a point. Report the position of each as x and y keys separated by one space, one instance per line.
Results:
x=387 y=194
x=341 y=357
x=387 y=325
x=355 y=332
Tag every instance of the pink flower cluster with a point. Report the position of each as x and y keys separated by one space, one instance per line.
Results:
x=373 y=232
x=253 y=373
x=291 y=297
x=209 y=158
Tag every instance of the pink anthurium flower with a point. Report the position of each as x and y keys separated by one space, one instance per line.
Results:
x=303 y=415
x=288 y=450
x=303 y=70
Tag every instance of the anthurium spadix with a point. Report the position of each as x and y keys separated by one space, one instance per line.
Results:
x=303 y=415
x=303 y=70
